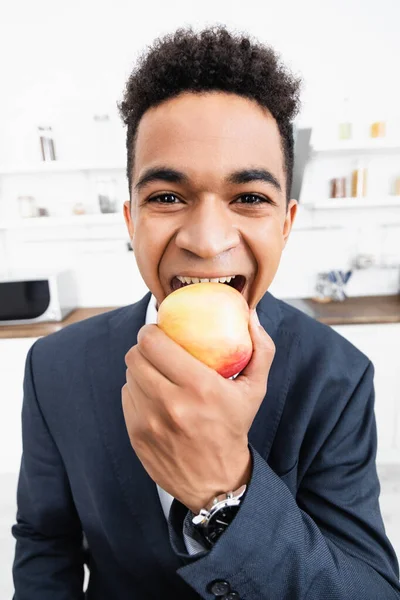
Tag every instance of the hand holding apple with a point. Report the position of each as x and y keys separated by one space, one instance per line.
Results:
x=186 y=423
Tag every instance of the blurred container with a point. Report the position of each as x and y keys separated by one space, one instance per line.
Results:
x=106 y=194
x=332 y=286
x=359 y=181
x=364 y=261
x=345 y=128
x=338 y=187
x=47 y=143
x=79 y=209
x=43 y=212
x=27 y=207
x=378 y=129
x=345 y=131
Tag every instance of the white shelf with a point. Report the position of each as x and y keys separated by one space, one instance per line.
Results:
x=335 y=203
x=354 y=146
x=57 y=166
x=95 y=219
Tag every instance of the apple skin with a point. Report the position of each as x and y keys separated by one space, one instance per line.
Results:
x=211 y=321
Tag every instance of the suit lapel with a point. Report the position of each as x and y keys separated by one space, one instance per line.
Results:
x=266 y=421
x=107 y=370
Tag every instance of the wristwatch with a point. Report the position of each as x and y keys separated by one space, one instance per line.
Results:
x=212 y=521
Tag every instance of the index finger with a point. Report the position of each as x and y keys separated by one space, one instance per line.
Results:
x=171 y=359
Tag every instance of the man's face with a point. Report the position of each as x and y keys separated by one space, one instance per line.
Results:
x=197 y=219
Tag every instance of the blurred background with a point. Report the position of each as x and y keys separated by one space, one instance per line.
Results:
x=64 y=249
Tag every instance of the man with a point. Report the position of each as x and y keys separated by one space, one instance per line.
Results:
x=128 y=438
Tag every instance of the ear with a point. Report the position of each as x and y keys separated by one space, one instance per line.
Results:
x=128 y=219
x=289 y=219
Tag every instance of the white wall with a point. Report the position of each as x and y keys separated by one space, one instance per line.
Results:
x=64 y=62
x=58 y=58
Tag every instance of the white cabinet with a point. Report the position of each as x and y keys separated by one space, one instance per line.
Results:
x=13 y=354
x=381 y=343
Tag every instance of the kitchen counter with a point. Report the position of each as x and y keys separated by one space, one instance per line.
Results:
x=40 y=329
x=352 y=311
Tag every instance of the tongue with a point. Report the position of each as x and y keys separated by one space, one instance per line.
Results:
x=176 y=284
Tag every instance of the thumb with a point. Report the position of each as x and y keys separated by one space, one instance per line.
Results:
x=257 y=370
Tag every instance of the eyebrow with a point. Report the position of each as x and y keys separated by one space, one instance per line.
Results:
x=236 y=177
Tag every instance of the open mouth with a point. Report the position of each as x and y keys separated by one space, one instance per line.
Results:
x=236 y=281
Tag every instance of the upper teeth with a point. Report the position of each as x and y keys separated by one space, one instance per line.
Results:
x=205 y=279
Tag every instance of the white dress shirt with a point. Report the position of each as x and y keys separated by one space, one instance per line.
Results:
x=192 y=546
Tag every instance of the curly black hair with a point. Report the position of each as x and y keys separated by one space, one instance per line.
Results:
x=212 y=60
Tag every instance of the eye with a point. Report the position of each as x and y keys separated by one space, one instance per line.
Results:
x=158 y=199
x=254 y=199
x=250 y=199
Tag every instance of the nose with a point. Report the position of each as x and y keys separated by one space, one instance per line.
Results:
x=208 y=230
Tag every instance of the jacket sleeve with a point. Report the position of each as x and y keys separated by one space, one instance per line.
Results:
x=329 y=542
x=48 y=563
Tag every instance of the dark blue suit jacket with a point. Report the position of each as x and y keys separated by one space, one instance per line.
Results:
x=309 y=528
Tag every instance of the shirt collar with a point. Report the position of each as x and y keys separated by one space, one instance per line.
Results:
x=151 y=313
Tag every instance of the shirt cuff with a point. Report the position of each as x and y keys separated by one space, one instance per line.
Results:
x=181 y=534
x=192 y=538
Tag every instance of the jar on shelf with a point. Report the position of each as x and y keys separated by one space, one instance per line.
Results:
x=378 y=129
x=79 y=209
x=106 y=194
x=47 y=143
x=27 y=207
x=359 y=180
x=338 y=187
x=345 y=128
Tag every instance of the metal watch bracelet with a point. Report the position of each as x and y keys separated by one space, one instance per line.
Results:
x=221 y=501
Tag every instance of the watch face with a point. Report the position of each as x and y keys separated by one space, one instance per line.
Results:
x=219 y=522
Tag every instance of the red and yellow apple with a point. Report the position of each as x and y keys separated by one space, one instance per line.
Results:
x=211 y=321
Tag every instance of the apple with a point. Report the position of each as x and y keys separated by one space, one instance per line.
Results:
x=211 y=321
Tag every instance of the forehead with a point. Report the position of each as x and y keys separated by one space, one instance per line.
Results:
x=209 y=135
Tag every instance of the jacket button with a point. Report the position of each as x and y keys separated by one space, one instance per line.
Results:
x=220 y=588
x=232 y=596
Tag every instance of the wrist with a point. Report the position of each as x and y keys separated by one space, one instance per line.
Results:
x=242 y=478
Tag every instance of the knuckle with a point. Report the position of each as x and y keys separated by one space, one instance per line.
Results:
x=207 y=387
x=129 y=377
x=176 y=414
x=263 y=388
x=145 y=337
x=130 y=356
x=270 y=347
x=153 y=428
